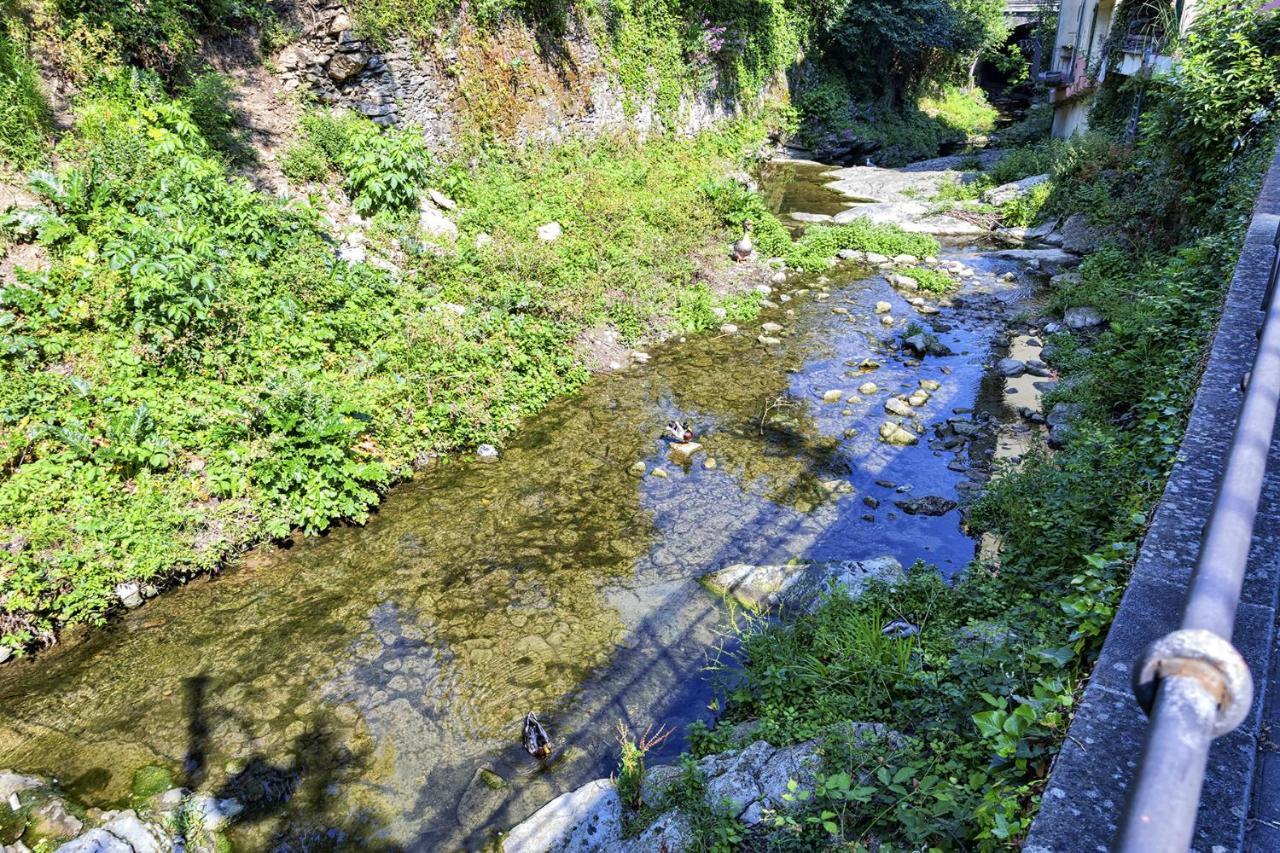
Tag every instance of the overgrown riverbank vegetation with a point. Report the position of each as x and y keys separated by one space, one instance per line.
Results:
x=192 y=365
x=982 y=695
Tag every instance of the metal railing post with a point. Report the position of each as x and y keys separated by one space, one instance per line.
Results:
x=1193 y=682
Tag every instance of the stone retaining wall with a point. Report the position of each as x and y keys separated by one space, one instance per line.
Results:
x=562 y=85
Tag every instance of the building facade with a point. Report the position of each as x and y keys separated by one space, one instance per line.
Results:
x=1086 y=50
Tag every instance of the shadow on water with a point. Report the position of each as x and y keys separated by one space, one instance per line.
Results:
x=299 y=785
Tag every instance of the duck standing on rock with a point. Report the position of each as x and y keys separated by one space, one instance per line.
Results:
x=534 y=738
x=744 y=247
x=678 y=432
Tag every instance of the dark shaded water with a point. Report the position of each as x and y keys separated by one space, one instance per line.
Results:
x=363 y=686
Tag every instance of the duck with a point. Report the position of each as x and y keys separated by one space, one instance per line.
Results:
x=678 y=432
x=744 y=247
x=534 y=737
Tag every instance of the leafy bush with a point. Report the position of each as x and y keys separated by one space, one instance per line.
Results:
x=383 y=170
x=160 y=35
x=933 y=281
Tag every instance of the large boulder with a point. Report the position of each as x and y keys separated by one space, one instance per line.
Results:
x=1082 y=317
x=1049 y=261
x=1014 y=189
x=1079 y=236
x=344 y=65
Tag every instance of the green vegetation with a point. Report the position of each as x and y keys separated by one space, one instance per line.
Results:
x=932 y=281
x=815 y=248
x=24 y=113
x=160 y=35
x=983 y=693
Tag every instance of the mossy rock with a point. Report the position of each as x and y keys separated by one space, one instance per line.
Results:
x=492 y=779
x=149 y=781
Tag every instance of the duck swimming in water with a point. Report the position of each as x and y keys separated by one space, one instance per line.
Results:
x=534 y=737
x=744 y=247
x=678 y=432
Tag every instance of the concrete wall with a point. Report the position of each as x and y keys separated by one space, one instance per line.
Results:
x=1085 y=795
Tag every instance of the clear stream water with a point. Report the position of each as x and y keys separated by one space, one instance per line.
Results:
x=360 y=688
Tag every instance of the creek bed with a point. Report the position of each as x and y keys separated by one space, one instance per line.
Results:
x=367 y=686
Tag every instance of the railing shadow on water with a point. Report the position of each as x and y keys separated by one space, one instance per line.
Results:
x=298 y=789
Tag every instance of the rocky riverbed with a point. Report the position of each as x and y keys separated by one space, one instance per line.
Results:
x=369 y=685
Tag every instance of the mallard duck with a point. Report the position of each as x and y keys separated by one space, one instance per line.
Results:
x=534 y=738
x=678 y=432
x=744 y=247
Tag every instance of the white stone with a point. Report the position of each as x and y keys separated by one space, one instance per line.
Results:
x=1083 y=317
x=589 y=818
x=683 y=452
x=895 y=434
x=895 y=406
x=883 y=307
x=487 y=453
x=550 y=232
x=96 y=840
x=213 y=813
x=868 y=388
x=441 y=200
x=434 y=225
x=1014 y=189
x=130 y=594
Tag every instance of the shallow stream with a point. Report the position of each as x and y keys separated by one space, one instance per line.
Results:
x=366 y=687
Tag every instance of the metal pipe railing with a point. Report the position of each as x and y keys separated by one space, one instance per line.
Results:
x=1193 y=682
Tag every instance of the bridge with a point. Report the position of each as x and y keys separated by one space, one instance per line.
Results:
x=1019 y=12
x=1122 y=782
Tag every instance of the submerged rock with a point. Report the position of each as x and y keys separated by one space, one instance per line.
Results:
x=798 y=586
x=487 y=453
x=928 y=505
x=897 y=435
